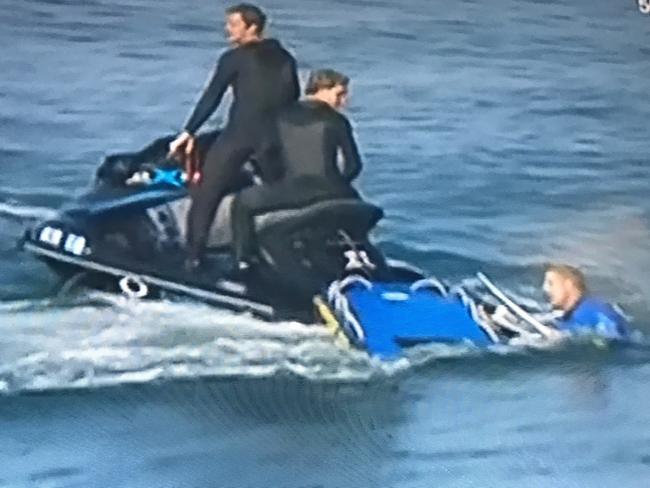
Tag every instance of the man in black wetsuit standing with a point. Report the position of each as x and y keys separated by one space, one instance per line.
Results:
x=263 y=77
x=306 y=138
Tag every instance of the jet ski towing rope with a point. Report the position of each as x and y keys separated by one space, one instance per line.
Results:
x=336 y=297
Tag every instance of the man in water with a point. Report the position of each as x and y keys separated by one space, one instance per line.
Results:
x=575 y=309
x=263 y=77
x=567 y=292
x=306 y=138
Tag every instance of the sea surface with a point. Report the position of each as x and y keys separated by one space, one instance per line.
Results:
x=498 y=136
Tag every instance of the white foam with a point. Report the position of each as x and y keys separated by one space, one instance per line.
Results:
x=90 y=345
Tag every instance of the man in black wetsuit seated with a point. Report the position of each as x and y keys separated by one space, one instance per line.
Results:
x=263 y=77
x=305 y=138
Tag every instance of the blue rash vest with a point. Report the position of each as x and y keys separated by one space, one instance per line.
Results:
x=593 y=315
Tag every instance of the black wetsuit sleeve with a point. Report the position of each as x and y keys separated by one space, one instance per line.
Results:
x=222 y=77
x=351 y=160
x=291 y=74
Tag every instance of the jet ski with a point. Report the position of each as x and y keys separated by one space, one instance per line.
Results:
x=314 y=264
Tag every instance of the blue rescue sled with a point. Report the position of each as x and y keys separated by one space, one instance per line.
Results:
x=384 y=318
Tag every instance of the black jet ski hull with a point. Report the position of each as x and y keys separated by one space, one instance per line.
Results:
x=224 y=293
x=132 y=241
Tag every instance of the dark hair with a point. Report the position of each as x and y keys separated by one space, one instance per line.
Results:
x=250 y=14
x=323 y=79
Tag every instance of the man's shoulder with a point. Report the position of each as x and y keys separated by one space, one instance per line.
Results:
x=341 y=118
x=276 y=44
x=593 y=305
x=267 y=46
x=593 y=311
x=295 y=106
x=328 y=113
x=228 y=54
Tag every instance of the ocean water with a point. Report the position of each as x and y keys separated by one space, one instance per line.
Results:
x=498 y=136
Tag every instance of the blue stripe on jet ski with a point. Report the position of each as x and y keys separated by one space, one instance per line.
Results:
x=150 y=197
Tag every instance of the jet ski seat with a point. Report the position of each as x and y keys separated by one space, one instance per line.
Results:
x=354 y=216
x=305 y=246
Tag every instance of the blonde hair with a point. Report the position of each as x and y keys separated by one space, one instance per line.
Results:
x=571 y=273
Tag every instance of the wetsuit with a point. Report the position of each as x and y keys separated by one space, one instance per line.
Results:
x=305 y=138
x=264 y=78
x=592 y=315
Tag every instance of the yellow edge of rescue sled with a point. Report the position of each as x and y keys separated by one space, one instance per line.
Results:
x=330 y=322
